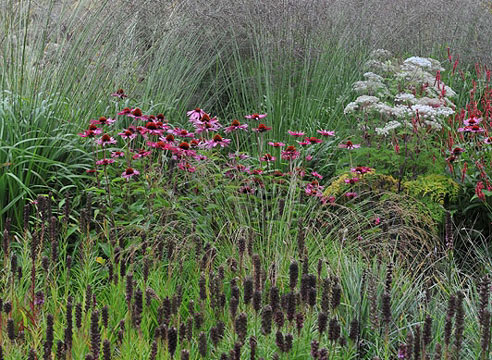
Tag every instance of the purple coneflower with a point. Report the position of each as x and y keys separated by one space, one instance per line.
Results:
x=349 y=145
x=317 y=175
x=103 y=121
x=290 y=153
x=326 y=132
x=129 y=173
x=117 y=154
x=267 y=158
x=262 y=128
x=351 y=195
x=119 y=94
x=296 y=133
x=105 y=140
x=255 y=116
x=276 y=144
x=195 y=115
x=128 y=134
x=217 y=140
x=104 y=162
x=236 y=125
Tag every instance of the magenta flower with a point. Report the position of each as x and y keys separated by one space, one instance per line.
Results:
x=317 y=175
x=472 y=121
x=217 y=140
x=128 y=134
x=351 y=195
x=290 y=153
x=195 y=115
x=246 y=189
x=472 y=129
x=153 y=128
x=267 y=158
x=349 y=145
x=255 y=116
x=327 y=199
x=141 y=153
x=361 y=169
x=104 y=162
x=488 y=140
x=183 y=149
x=137 y=114
x=105 y=140
x=255 y=172
x=117 y=154
x=181 y=133
x=210 y=125
x=309 y=157
x=240 y=156
x=103 y=121
x=236 y=125
x=296 y=133
x=304 y=143
x=125 y=111
x=314 y=189
x=119 y=94
x=351 y=181
x=262 y=128
x=326 y=132
x=185 y=166
x=313 y=140
x=129 y=173
x=168 y=139
x=276 y=144
x=457 y=151
x=88 y=134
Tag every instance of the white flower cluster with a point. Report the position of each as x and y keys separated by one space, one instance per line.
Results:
x=392 y=125
x=418 y=74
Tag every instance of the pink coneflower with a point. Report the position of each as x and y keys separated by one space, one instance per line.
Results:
x=304 y=143
x=246 y=189
x=309 y=157
x=125 y=111
x=105 y=140
x=317 y=175
x=117 y=154
x=457 y=151
x=91 y=171
x=262 y=128
x=169 y=139
x=349 y=145
x=488 y=140
x=472 y=121
x=183 y=149
x=236 y=125
x=377 y=221
x=185 y=166
x=119 y=94
x=255 y=172
x=103 y=121
x=94 y=128
x=200 y=157
x=267 y=158
x=181 y=133
x=290 y=153
x=104 y=162
x=217 y=140
x=128 y=134
x=195 y=143
x=255 y=116
x=137 y=114
x=210 y=125
x=239 y=156
x=313 y=140
x=327 y=199
x=153 y=128
x=314 y=189
x=472 y=129
x=326 y=132
x=351 y=181
x=276 y=144
x=351 y=195
x=88 y=133
x=361 y=169
x=129 y=173
x=141 y=153
x=296 y=133
x=195 y=114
